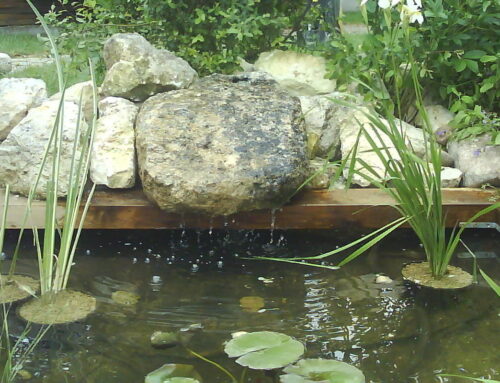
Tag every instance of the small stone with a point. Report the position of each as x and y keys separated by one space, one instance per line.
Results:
x=164 y=339
x=125 y=298
x=450 y=177
x=383 y=279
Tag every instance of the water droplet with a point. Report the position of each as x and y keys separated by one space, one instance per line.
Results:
x=147 y=260
x=87 y=252
x=134 y=260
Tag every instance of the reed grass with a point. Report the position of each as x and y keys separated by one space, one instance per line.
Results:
x=10 y=365
x=413 y=182
x=55 y=262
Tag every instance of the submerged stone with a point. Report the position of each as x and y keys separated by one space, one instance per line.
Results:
x=164 y=339
x=125 y=298
x=227 y=144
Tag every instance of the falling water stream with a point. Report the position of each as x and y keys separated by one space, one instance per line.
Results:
x=207 y=281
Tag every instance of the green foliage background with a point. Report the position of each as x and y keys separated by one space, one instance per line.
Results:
x=457 y=49
x=211 y=35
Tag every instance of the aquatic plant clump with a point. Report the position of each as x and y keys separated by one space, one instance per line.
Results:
x=17 y=287
x=420 y=273
x=62 y=307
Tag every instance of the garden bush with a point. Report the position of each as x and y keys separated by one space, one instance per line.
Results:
x=211 y=35
x=457 y=48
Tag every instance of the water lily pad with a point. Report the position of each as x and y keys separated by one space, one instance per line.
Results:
x=173 y=373
x=264 y=350
x=322 y=370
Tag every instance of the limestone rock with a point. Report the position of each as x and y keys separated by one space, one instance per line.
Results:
x=478 y=160
x=440 y=122
x=323 y=133
x=137 y=70
x=299 y=73
x=83 y=90
x=113 y=153
x=351 y=120
x=450 y=177
x=17 y=96
x=227 y=144
x=5 y=63
x=22 y=152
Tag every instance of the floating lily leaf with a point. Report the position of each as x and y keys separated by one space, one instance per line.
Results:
x=322 y=370
x=173 y=373
x=264 y=350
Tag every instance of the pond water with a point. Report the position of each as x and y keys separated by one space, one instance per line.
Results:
x=201 y=281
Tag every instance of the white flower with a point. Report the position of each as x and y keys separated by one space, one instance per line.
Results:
x=363 y=2
x=384 y=4
x=412 y=11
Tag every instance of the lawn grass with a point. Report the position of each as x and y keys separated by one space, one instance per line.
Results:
x=48 y=74
x=352 y=18
x=21 y=45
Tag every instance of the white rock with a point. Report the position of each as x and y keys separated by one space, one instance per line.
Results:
x=137 y=70
x=5 y=63
x=478 y=160
x=350 y=121
x=450 y=177
x=440 y=120
x=438 y=115
x=17 y=96
x=323 y=131
x=113 y=153
x=299 y=73
x=83 y=90
x=383 y=279
x=22 y=152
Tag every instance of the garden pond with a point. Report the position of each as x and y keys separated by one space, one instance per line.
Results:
x=202 y=286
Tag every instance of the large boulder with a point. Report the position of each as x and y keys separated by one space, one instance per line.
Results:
x=82 y=94
x=229 y=143
x=17 y=96
x=112 y=161
x=5 y=63
x=22 y=152
x=299 y=73
x=477 y=159
x=136 y=70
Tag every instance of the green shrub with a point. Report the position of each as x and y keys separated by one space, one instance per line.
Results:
x=457 y=48
x=210 y=35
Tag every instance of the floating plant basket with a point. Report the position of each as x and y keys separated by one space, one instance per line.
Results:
x=420 y=274
x=65 y=306
x=17 y=288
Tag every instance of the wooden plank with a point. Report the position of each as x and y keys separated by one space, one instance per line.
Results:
x=365 y=208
